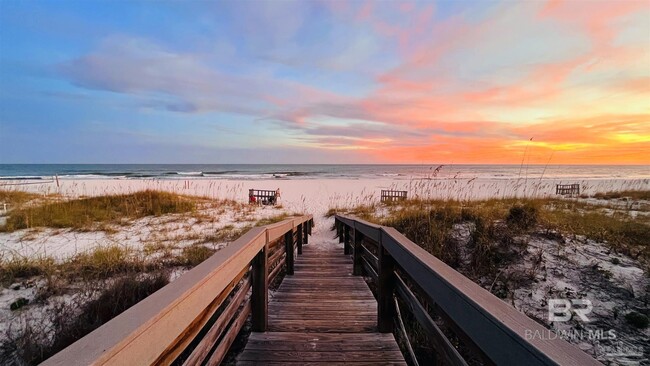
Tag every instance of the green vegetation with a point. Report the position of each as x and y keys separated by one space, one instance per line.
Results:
x=85 y=213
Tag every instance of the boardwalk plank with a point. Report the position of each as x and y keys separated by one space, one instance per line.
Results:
x=322 y=315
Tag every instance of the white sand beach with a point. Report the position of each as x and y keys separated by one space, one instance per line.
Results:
x=316 y=196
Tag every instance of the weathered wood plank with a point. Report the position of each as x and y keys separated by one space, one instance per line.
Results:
x=266 y=356
x=322 y=337
x=221 y=350
x=202 y=350
x=328 y=363
x=438 y=339
x=322 y=315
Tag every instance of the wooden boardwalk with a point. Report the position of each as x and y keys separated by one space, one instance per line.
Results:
x=322 y=315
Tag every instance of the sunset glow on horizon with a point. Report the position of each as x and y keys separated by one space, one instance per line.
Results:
x=560 y=82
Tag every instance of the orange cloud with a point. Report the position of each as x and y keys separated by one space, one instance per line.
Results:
x=603 y=140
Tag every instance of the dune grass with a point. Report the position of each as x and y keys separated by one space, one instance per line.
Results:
x=499 y=230
x=498 y=222
x=86 y=213
x=16 y=198
x=634 y=195
x=273 y=219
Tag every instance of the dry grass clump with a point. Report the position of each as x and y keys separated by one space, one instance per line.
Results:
x=493 y=226
x=25 y=268
x=497 y=226
x=272 y=219
x=523 y=216
x=67 y=322
x=17 y=198
x=195 y=254
x=634 y=195
x=626 y=234
x=103 y=262
x=85 y=213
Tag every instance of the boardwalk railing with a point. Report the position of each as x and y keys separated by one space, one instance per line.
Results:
x=493 y=330
x=196 y=318
x=567 y=188
x=389 y=196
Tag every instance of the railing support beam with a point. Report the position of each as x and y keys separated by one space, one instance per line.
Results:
x=260 y=291
x=289 y=248
x=357 y=268
x=385 y=289
x=299 y=237
x=305 y=233
x=346 y=240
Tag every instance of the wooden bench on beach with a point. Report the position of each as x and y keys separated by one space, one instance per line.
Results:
x=389 y=195
x=565 y=189
x=265 y=197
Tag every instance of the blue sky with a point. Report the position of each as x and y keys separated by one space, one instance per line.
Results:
x=323 y=81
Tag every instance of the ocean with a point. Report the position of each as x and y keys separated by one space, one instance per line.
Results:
x=315 y=171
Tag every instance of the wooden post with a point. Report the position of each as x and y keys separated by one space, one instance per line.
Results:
x=260 y=290
x=346 y=239
x=305 y=231
x=288 y=245
x=299 y=233
x=385 y=289
x=357 y=268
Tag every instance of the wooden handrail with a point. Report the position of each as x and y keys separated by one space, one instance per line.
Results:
x=497 y=329
x=160 y=328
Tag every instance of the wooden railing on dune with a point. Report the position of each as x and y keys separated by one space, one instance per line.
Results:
x=495 y=332
x=196 y=318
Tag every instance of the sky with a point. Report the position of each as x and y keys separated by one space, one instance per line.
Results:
x=424 y=82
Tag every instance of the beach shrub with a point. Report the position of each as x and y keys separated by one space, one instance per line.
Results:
x=430 y=228
x=84 y=213
x=522 y=216
x=637 y=319
x=18 y=303
x=69 y=321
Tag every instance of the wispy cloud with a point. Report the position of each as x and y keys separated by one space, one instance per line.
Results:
x=387 y=81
